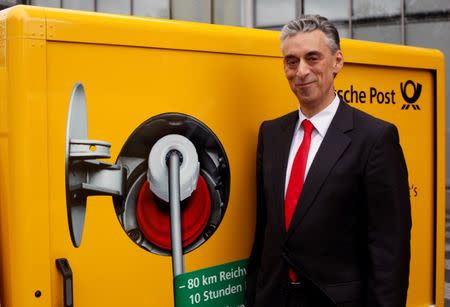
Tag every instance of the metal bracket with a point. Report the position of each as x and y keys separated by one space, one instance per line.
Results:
x=86 y=176
x=89 y=149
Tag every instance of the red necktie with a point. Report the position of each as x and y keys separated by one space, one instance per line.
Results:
x=296 y=179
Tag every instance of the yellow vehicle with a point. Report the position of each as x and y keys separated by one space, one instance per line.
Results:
x=78 y=225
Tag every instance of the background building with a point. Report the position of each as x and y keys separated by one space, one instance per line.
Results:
x=408 y=22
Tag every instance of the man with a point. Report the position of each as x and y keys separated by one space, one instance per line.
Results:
x=333 y=209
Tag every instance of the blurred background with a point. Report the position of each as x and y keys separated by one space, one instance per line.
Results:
x=423 y=23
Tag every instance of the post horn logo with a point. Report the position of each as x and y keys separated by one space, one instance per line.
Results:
x=411 y=101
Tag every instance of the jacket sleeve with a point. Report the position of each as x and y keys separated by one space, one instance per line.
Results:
x=255 y=256
x=388 y=221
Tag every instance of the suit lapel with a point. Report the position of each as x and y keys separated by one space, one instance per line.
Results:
x=333 y=146
x=282 y=146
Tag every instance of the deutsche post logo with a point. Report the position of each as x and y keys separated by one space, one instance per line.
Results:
x=411 y=100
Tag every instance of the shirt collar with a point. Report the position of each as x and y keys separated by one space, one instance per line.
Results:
x=322 y=120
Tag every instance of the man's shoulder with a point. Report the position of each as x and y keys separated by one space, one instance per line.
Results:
x=281 y=121
x=368 y=121
x=369 y=127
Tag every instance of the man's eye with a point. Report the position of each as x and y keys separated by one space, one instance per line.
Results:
x=313 y=58
x=291 y=62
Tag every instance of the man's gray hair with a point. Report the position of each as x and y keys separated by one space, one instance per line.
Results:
x=309 y=23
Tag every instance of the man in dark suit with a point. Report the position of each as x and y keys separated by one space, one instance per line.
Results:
x=333 y=210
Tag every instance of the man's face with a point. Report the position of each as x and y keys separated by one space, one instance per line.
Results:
x=310 y=67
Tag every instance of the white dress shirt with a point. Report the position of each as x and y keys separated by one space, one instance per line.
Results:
x=321 y=122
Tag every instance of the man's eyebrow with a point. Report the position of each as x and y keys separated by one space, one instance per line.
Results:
x=314 y=53
x=309 y=53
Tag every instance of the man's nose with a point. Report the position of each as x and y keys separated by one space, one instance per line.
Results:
x=303 y=69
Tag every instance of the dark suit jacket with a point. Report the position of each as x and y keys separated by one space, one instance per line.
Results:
x=350 y=233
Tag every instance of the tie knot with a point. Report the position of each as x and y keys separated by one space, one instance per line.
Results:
x=307 y=126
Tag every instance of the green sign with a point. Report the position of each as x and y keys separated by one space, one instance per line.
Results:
x=218 y=286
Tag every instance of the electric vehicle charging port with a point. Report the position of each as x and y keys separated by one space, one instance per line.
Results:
x=144 y=216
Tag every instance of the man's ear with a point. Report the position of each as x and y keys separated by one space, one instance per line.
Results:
x=339 y=62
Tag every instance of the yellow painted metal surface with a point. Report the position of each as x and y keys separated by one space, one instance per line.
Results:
x=228 y=78
x=381 y=96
